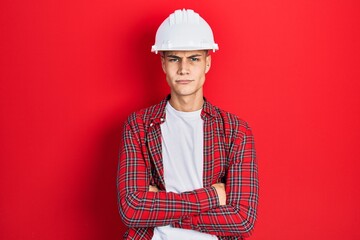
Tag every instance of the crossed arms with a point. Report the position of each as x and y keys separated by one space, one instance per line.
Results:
x=222 y=209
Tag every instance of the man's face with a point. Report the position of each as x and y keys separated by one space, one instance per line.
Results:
x=185 y=71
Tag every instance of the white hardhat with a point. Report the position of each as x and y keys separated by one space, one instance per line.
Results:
x=184 y=30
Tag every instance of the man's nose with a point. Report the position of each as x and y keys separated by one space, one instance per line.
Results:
x=183 y=68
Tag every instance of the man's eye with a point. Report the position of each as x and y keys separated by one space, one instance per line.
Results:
x=173 y=60
x=194 y=59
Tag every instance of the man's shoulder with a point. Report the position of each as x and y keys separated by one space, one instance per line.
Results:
x=229 y=119
x=145 y=115
x=234 y=127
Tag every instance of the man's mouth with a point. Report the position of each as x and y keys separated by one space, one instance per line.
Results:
x=183 y=81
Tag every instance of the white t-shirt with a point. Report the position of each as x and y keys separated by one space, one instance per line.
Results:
x=182 y=151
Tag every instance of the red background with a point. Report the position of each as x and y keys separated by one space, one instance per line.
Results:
x=71 y=71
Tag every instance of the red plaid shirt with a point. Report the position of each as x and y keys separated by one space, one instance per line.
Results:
x=229 y=157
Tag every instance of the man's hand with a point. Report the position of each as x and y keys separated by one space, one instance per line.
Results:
x=220 y=189
x=153 y=188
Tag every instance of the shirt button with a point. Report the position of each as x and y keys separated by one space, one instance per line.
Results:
x=151 y=124
x=161 y=119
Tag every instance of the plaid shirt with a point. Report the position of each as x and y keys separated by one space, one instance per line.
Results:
x=229 y=157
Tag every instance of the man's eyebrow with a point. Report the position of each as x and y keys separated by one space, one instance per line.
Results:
x=192 y=56
x=195 y=55
x=172 y=56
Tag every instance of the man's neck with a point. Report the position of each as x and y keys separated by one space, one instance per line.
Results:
x=187 y=103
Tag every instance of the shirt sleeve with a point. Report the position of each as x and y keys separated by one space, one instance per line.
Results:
x=140 y=208
x=238 y=216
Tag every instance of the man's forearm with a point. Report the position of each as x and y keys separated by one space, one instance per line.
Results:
x=150 y=209
x=222 y=221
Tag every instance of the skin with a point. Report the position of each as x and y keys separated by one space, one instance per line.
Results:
x=185 y=74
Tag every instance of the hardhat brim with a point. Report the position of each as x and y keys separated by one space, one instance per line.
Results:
x=156 y=49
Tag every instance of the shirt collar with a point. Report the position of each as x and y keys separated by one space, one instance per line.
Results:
x=158 y=116
x=208 y=109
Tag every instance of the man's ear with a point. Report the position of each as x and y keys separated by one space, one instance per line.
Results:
x=208 y=63
x=162 y=57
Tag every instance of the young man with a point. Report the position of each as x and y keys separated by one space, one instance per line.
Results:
x=187 y=168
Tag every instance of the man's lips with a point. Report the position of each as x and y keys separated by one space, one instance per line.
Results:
x=183 y=81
